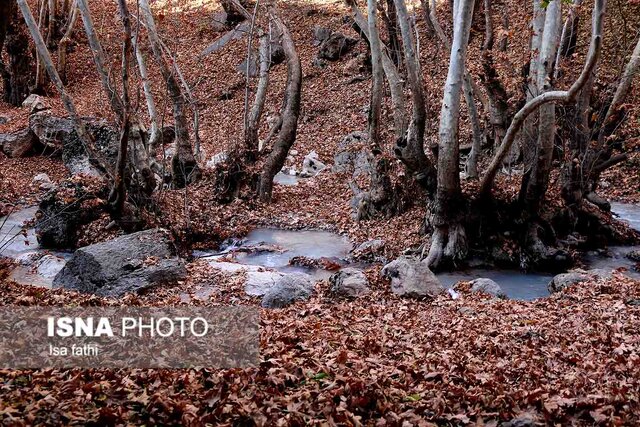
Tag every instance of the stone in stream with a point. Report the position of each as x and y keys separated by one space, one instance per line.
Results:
x=412 y=278
x=487 y=286
x=349 y=282
x=287 y=290
x=129 y=263
x=564 y=280
x=634 y=256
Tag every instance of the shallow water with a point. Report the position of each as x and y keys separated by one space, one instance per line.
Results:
x=627 y=212
x=308 y=243
x=13 y=243
x=286 y=179
x=515 y=284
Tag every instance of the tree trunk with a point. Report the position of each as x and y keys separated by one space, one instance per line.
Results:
x=392 y=75
x=410 y=149
x=535 y=187
x=43 y=52
x=528 y=137
x=290 y=114
x=253 y=118
x=63 y=47
x=488 y=23
x=392 y=31
x=547 y=97
x=184 y=166
x=156 y=135
x=16 y=75
x=449 y=242
x=100 y=61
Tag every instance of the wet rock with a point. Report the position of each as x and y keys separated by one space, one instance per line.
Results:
x=19 y=144
x=129 y=263
x=288 y=289
x=562 y=281
x=349 y=282
x=412 y=278
x=487 y=286
x=335 y=46
x=312 y=165
x=43 y=182
x=634 y=256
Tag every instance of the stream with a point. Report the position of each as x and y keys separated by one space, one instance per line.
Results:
x=268 y=248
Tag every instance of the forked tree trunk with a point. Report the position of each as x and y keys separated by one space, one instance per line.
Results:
x=392 y=75
x=290 y=114
x=547 y=97
x=184 y=166
x=469 y=96
x=410 y=149
x=449 y=241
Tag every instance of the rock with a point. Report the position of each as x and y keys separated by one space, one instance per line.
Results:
x=487 y=286
x=260 y=282
x=349 y=282
x=60 y=216
x=320 y=34
x=129 y=263
x=311 y=165
x=369 y=251
x=35 y=103
x=288 y=289
x=352 y=156
x=356 y=66
x=56 y=133
x=4 y=120
x=634 y=256
x=335 y=46
x=43 y=182
x=564 y=280
x=49 y=266
x=19 y=144
x=412 y=278
x=217 y=159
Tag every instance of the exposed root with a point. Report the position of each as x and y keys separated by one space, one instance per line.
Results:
x=449 y=246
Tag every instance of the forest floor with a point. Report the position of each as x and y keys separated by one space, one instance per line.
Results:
x=572 y=358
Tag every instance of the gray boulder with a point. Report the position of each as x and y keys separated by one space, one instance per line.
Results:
x=335 y=46
x=18 y=144
x=129 y=263
x=487 y=286
x=289 y=289
x=349 y=282
x=311 y=166
x=412 y=278
x=564 y=280
x=260 y=283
